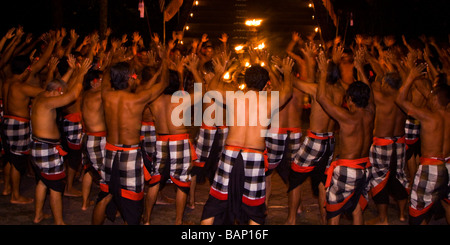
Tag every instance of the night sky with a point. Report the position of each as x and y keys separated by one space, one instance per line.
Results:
x=377 y=17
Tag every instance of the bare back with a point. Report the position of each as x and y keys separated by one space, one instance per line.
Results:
x=248 y=136
x=43 y=119
x=19 y=97
x=162 y=109
x=320 y=121
x=432 y=134
x=355 y=135
x=389 y=118
x=291 y=114
x=123 y=117
x=92 y=112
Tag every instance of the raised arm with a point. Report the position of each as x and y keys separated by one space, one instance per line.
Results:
x=335 y=111
x=285 y=91
x=43 y=59
x=74 y=89
x=402 y=97
x=147 y=95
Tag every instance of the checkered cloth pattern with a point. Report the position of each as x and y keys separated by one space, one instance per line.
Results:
x=127 y=159
x=312 y=150
x=73 y=130
x=205 y=140
x=47 y=156
x=429 y=185
x=148 y=138
x=345 y=178
x=178 y=151
x=412 y=129
x=383 y=152
x=18 y=133
x=95 y=151
x=276 y=142
x=254 y=184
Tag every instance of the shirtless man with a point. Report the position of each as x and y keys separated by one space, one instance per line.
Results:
x=348 y=176
x=242 y=157
x=123 y=165
x=283 y=140
x=431 y=180
x=73 y=133
x=17 y=94
x=46 y=151
x=388 y=150
x=95 y=132
x=173 y=145
x=316 y=151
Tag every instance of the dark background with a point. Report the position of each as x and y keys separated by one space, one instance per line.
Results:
x=375 y=17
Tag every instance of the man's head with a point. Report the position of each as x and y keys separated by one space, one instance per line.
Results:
x=439 y=97
x=359 y=94
x=19 y=64
x=256 y=77
x=120 y=74
x=92 y=79
x=174 y=83
x=333 y=73
x=56 y=87
x=393 y=80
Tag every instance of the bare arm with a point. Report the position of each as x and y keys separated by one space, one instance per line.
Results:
x=74 y=89
x=402 y=97
x=335 y=111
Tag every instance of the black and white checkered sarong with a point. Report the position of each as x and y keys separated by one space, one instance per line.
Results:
x=385 y=152
x=276 y=142
x=18 y=134
x=254 y=171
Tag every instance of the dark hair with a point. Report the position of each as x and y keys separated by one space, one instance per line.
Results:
x=393 y=79
x=63 y=66
x=19 y=64
x=359 y=93
x=55 y=84
x=256 y=77
x=442 y=92
x=90 y=75
x=147 y=74
x=174 y=83
x=333 y=73
x=209 y=66
x=120 y=74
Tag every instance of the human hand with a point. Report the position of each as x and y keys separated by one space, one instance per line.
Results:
x=224 y=38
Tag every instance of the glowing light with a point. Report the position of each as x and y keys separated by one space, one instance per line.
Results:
x=253 y=22
x=242 y=86
x=310 y=5
x=239 y=48
x=260 y=46
x=187 y=28
x=226 y=76
x=191 y=14
x=317 y=29
x=247 y=64
x=313 y=17
x=196 y=3
x=262 y=64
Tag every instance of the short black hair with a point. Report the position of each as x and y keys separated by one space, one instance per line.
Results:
x=333 y=73
x=359 y=93
x=174 y=83
x=90 y=75
x=120 y=74
x=393 y=79
x=19 y=64
x=442 y=92
x=256 y=77
x=63 y=66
